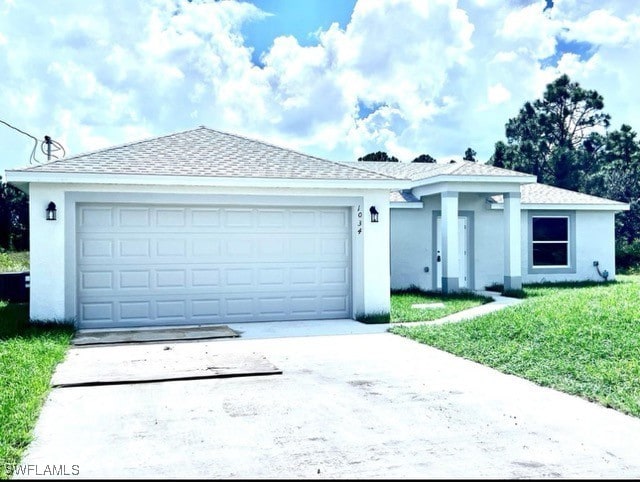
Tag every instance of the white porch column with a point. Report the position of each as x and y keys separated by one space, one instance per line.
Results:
x=512 y=242
x=450 y=235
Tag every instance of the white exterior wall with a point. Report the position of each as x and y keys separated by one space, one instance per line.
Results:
x=46 y=255
x=53 y=270
x=412 y=244
x=595 y=241
x=410 y=248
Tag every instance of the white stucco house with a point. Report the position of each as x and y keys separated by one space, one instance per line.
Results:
x=208 y=227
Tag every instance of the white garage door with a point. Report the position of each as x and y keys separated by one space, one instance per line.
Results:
x=144 y=265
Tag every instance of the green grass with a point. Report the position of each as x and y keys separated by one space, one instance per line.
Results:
x=29 y=353
x=14 y=262
x=401 y=301
x=580 y=338
x=380 y=317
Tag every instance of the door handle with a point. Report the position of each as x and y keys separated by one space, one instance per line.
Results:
x=438 y=259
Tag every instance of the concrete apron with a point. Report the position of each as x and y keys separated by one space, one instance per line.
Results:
x=357 y=406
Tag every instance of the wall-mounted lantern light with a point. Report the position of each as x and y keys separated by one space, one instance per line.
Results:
x=374 y=214
x=51 y=211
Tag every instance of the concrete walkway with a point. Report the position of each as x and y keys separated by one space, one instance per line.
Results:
x=499 y=303
x=279 y=329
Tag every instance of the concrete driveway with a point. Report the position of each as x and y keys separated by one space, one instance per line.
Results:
x=346 y=406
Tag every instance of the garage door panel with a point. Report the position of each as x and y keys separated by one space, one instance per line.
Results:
x=334 y=304
x=135 y=279
x=171 y=278
x=333 y=220
x=334 y=246
x=98 y=312
x=235 y=307
x=171 y=309
x=238 y=218
x=135 y=310
x=304 y=305
x=272 y=276
x=205 y=278
x=205 y=309
x=197 y=264
x=239 y=276
x=96 y=280
x=171 y=247
x=272 y=306
x=174 y=218
x=134 y=248
x=233 y=278
x=134 y=217
x=98 y=218
x=205 y=218
x=206 y=248
x=92 y=249
x=271 y=218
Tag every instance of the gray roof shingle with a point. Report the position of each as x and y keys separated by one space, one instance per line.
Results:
x=544 y=194
x=416 y=171
x=530 y=194
x=404 y=196
x=208 y=153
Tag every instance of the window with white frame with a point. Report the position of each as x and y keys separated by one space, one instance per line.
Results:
x=550 y=239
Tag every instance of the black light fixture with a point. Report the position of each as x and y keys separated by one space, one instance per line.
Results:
x=374 y=214
x=51 y=211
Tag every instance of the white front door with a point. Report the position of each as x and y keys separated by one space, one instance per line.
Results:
x=463 y=249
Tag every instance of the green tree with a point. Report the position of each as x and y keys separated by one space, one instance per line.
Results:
x=545 y=135
x=378 y=157
x=470 y=155
x=425 y=158
x=613 y=163
x=14 y=218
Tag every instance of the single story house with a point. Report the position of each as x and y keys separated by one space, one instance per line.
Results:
x=203 y=226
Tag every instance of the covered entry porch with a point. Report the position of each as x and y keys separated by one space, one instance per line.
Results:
x=446 y=237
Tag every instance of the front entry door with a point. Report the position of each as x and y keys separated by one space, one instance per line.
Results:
x=463 y=250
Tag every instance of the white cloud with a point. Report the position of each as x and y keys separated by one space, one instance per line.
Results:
x=437 y=75
x=498 y=94
x=601 y=27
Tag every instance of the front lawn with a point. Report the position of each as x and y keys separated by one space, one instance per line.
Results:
x=402 y=304
x=582 y=339
x=28 y=356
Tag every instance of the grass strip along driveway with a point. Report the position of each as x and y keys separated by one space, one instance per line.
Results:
x=28 y=355
x=402 y=302
x=583 y=339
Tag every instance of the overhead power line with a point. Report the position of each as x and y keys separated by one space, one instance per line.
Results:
x=51 y=145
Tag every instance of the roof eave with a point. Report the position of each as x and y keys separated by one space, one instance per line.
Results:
x=523 y=179
x=18 y=177
x=614 y=206
x=406 y=205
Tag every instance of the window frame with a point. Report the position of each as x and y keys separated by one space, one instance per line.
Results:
x=570 y=267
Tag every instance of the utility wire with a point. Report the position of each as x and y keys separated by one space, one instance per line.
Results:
x=55 y=146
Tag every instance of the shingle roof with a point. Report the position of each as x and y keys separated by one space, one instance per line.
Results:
x=404 y=196
x=209 y=153
x=545 y=194
x=416 y=171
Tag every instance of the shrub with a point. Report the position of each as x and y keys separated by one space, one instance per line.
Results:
x=628 y=255
x=374 y=318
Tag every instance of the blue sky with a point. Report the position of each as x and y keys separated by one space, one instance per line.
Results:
x=301 y=19
x=333 y=78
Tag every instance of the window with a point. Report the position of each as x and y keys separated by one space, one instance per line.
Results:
x=550 y=239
